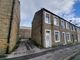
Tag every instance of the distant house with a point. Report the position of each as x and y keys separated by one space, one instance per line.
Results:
x=50 y=30
x=78 y=32
x=25 y=32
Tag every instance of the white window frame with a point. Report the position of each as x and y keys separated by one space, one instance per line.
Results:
x=64 y=37
x=58 y=35
x=62 y=24
x=67 y=25
x=69 y=36
x=73 y=28
x=55 y=21
x=45 y=18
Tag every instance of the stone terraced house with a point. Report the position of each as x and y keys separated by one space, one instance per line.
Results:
x=78 y=32
x=9 y=24
x=48 y=30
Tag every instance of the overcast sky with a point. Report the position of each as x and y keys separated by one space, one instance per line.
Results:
x=67 y=9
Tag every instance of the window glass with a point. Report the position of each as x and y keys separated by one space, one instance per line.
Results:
x=67 y=36
x=67 y=25
x=47 y=18
x=47 y=31
x=57 y=36
x=62 y=24
x=74 y=28
x=56 y=21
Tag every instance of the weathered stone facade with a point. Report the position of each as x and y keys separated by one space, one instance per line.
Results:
x=39 y=26
x=9 y=24
x=78 y=32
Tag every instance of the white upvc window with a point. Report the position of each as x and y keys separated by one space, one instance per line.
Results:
x=47 y=18
x=56 y=21
x=62 y=24
x=67 y=25
x=78 y=29
x=56 y=36
x=74 y=28
x=70 y=27
x=68 y=36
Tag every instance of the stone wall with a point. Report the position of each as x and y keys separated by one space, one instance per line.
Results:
x=25 y=32
x=5 y=15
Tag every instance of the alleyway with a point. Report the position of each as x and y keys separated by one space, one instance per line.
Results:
x=25 y=48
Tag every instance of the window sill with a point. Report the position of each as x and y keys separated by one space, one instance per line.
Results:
x=57 y=41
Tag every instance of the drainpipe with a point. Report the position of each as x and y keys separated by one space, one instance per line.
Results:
x=10 y=25
x=42 y=27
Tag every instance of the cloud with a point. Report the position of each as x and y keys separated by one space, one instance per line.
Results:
x=63 y=8
x=59 y=6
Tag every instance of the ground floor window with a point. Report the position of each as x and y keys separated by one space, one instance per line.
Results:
x=68 y=37
x=57 y=36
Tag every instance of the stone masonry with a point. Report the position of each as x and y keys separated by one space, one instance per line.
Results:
x=9 y=24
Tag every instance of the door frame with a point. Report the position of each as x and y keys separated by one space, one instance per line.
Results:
x=65 y=42
x=45 y=38
x=69 y=37
x=58 y=36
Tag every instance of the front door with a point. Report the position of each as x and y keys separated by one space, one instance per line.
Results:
x=48 y=42
x=72 y=37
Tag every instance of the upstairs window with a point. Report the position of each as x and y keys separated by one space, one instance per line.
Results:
x=67 y=25
x=62 y=24
x=78 y=29
x=56 y=21
x=74 y=28
x=70 y=26
x=47 y=18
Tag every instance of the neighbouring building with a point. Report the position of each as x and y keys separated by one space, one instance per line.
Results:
x=48 y=29
x=9 y=24
x=78 y=32
x=25 y=32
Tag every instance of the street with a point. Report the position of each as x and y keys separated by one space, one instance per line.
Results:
x=26 y=51
x=58 y=54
